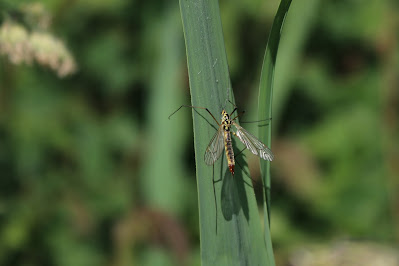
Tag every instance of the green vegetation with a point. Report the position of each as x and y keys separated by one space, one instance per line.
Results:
x=239 y=239
x=92 y=172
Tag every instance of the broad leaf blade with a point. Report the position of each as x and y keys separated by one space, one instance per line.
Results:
x=239 y=238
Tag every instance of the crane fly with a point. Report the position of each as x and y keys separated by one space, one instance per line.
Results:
x=222 y=140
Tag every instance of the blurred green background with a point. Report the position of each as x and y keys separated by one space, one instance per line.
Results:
x=93 y=173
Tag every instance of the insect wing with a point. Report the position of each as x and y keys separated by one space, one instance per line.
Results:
x=253 y=144
x=215 y=148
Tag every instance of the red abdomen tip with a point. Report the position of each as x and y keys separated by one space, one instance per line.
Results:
x=231 y=168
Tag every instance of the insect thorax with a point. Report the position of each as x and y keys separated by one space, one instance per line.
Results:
x=226 y=121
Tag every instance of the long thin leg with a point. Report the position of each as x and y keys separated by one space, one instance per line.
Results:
x=190 y=106
x=243 y=122
x=240 y=114
x=236 y=155
x=214 y=195
x=246 y=122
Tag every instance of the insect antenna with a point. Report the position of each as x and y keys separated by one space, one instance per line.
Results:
x=240 y=113
x=228 y=98
x=232 y=103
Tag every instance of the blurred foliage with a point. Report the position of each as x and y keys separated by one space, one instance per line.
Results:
x=93 y=172
x=36 y=45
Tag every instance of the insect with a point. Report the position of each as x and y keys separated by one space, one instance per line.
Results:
x=222 y=140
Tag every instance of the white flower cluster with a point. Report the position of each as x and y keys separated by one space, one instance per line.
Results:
x=43 y=48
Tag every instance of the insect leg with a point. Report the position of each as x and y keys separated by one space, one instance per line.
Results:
x=214 y=195
x=190 y=106
x=247 y=122
x=240 y=114
x=236 y=155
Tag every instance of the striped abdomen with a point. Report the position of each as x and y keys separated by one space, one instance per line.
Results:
x=229 y=150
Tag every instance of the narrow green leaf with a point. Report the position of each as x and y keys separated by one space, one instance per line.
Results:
x=238 y=240
x=297 y=28
x=265 y=107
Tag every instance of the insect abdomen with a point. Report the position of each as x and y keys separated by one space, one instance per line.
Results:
x=229 y=151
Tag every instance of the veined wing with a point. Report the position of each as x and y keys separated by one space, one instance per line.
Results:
x=215 y=148
x=253 y=144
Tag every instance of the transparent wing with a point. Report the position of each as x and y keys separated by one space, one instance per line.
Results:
x=215 y=148
x=253 y=144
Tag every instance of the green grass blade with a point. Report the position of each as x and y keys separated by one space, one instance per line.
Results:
x=297 y=28
x=265 y=105
x=239 y=238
